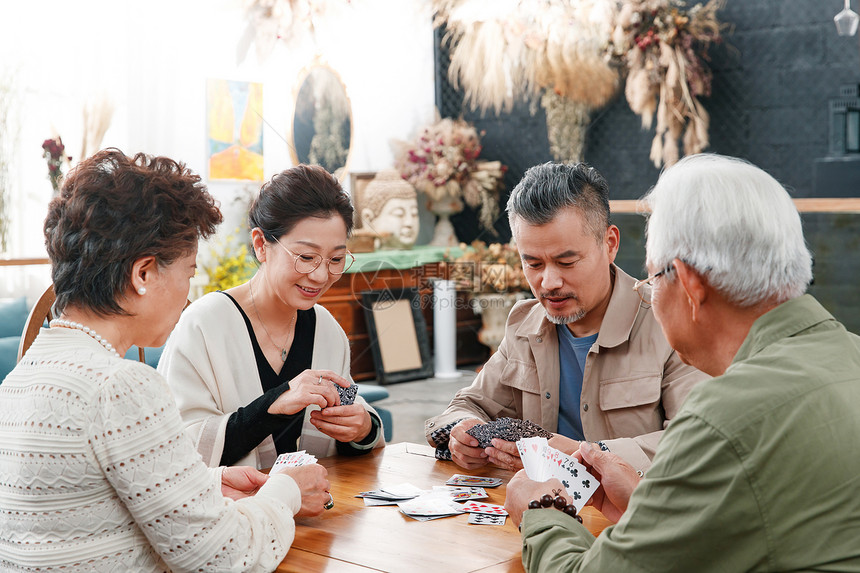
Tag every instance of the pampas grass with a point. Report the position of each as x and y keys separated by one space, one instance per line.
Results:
x=98 y=113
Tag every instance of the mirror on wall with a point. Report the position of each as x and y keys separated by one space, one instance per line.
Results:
x=321 y=133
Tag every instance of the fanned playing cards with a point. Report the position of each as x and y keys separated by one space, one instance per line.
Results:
x=542 y=462
x=508 y=429
x=291 y=460
x=348 y=394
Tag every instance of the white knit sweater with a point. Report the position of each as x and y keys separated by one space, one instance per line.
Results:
x=96 y=474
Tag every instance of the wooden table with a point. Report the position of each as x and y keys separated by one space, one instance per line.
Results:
x=354 y=538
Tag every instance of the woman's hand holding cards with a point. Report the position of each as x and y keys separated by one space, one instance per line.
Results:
x=309 y=387
x=314 y=485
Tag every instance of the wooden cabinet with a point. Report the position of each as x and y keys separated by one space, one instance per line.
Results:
x=343 y=300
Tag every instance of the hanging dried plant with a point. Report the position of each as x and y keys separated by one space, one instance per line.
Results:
x=511 y=50
x=292 y=21
x=566 y=122
x=664 y=48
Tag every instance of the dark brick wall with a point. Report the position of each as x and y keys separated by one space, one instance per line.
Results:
x=781 y=63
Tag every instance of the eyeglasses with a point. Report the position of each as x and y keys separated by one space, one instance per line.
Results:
x=637 y=286
x=307 y=263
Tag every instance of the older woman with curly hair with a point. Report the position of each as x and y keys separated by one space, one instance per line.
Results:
x=96 y=472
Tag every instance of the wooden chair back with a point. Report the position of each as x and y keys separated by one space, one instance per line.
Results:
x=40 y=313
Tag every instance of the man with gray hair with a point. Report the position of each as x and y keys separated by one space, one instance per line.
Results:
x=756 y=472
x=586 y=359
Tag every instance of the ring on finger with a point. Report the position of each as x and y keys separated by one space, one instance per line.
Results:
x=330 y=503
x=320 y=380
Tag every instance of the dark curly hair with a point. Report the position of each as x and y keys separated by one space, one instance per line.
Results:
x=296 y=194
x=111 y=211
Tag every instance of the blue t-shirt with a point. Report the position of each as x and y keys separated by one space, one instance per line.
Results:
x=571 y=356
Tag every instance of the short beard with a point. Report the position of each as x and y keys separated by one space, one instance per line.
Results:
x=565 y=319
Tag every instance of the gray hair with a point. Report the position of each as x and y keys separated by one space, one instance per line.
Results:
x=733 y=223
x=548 y=188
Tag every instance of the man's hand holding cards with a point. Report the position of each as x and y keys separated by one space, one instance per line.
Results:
x=498 y=438
x=542 y=462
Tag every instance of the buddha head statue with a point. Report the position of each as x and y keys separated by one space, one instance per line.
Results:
x=389 y=207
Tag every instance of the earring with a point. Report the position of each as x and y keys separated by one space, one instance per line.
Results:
x=141 y=291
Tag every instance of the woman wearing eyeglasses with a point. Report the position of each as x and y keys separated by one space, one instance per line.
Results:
x=254 y=369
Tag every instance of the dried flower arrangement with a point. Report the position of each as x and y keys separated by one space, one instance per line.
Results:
x=54 y=153
x=493 y=268
x=98 y=112
x=568 y=54
x=664 y=47
x=551 y=52
x=291 y=21
x=443 y=163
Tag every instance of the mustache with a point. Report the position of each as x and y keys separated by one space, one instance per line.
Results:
x=558 y=294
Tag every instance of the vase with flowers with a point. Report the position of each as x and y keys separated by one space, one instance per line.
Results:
x=494 y=275
x=443 y=164
x=54 y=153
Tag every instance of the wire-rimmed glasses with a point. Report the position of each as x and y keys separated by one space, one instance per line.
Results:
x=637 y=286
x=306 y=263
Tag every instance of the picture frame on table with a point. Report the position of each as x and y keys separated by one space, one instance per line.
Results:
x=398 y=335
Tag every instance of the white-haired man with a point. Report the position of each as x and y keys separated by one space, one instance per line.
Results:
x=758 y=471
x=586 y=359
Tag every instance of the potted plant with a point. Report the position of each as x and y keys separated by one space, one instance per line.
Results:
x=494 y=275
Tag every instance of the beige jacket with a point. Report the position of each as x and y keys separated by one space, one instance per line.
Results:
x=633 y=384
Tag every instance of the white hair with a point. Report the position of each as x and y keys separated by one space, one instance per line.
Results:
x=733 y=223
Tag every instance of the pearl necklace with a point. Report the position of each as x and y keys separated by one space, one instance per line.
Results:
x=86 y=330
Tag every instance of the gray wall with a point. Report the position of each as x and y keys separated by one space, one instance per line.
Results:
x=774 y=76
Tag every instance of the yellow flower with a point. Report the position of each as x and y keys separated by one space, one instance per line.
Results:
x=232 y=265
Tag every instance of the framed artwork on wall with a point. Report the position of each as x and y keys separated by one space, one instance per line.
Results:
x=398 y=335
x=234 y=130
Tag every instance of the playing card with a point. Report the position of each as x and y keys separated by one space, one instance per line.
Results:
x=348 y=394
x=479 y=507
x=463 y=493
x=430 y=505
x=530 y=450
x=509 y=429
x=486 y=519
x=391 y=494
x=473 y=481
x=291 y=460
x=579 y=484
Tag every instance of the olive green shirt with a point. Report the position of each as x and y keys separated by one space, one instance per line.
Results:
x=758 y=472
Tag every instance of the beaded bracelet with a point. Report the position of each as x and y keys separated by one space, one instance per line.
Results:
x=558 y=502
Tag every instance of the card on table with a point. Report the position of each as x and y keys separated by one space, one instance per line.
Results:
x=473 y=481
x=463 y=493
x=390 y=494
x=430 y=505
x=486 y=519
x=488 y=508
